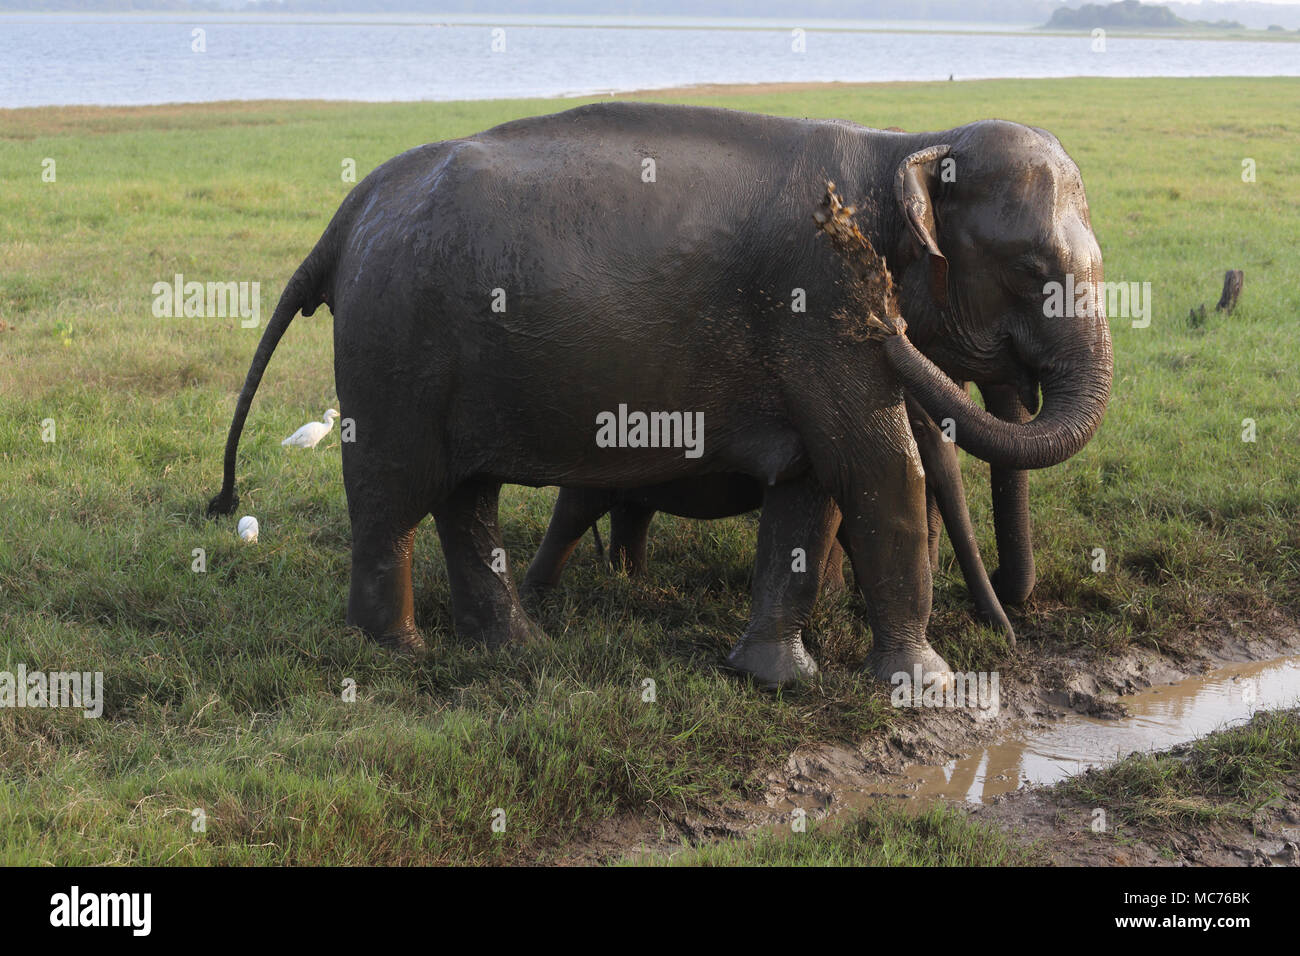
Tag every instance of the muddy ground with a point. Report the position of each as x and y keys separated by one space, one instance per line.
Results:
x=1044 y=684
x=1061 y=829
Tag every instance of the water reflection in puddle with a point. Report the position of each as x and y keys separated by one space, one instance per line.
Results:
x=1159 y=718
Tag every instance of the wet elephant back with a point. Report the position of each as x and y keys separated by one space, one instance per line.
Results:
x=542 y=273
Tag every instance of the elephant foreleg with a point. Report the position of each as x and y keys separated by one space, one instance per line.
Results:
x=883 y=503
x=795 y=534
x=384 y=515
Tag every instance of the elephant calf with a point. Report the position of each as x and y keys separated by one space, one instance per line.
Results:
x=723 y=496
x=495 y=297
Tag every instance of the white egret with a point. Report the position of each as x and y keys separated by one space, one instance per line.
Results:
x=312 y=432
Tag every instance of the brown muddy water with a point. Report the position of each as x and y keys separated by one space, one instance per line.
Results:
x=1159 y=718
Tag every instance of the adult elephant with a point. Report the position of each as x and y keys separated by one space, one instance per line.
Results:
x=496 y=297
x=631 y=510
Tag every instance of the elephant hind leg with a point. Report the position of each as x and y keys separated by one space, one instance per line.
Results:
x=390 y=480
x=380 y=600
x=484 y=603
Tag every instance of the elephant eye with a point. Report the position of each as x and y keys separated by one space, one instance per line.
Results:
x=1035 y=268
x=1039 y=277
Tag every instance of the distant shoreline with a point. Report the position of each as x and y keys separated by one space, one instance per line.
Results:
x=1209 y=33
x=763 y=89
x=701 y=91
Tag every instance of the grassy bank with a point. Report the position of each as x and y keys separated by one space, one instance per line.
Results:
x=1224 y=777
x=224 y=689
x=884 y=835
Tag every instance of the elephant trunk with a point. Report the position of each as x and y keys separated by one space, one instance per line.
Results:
x=1074 y=402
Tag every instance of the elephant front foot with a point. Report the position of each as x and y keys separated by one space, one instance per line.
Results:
x=773 y=663
x=913 y=667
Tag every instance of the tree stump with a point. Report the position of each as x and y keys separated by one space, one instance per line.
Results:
x=1232 y=281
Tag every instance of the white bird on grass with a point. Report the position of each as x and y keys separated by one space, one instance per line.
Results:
x=312 y=432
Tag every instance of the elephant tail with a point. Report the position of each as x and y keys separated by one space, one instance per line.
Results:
x=600 y=545
x=303 y=292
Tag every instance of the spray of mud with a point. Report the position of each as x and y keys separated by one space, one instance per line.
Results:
x=872 y=289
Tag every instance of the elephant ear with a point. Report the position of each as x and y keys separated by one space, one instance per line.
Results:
x=912 y=185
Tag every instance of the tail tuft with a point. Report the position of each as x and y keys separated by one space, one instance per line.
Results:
x=223 y=504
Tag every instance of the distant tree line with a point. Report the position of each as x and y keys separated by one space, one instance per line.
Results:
x=1131 y=14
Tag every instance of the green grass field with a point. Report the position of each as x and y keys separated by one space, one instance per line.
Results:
x=224 y=689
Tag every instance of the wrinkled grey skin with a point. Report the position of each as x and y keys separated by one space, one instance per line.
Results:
x=722 y=496
x=673 y=295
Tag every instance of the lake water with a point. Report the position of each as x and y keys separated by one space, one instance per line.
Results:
x=137 y=59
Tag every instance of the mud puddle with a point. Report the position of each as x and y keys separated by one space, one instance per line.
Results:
x=1159 y=717
x=1059 y=712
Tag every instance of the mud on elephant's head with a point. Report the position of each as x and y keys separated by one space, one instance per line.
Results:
x=996 y=215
